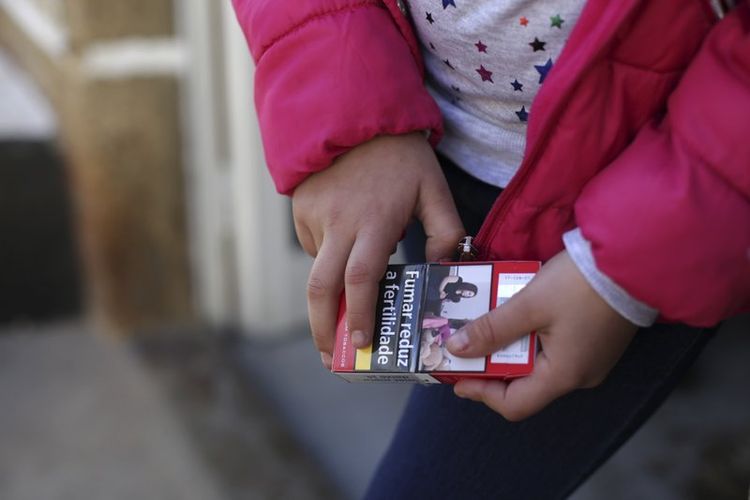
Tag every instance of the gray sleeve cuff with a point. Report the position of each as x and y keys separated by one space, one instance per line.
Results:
x=579 y=249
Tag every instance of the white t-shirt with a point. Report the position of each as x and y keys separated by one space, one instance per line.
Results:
x=485 y=61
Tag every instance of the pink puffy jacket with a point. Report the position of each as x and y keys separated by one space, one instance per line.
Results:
x=640 y=134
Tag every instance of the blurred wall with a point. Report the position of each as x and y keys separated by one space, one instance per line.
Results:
x=111 y=70
x=247 y=267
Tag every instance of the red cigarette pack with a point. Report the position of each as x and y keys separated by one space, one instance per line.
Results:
x=419 y=307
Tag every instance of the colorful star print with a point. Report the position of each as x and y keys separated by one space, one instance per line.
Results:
x=543 y=70
x=498 y=32
x=522 y=115
x=485 y=74
x=537 y=44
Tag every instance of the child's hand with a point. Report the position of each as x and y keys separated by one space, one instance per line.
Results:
x=351 y=216
x=581 y=335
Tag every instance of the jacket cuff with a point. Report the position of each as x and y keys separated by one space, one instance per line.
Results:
x=325 y=87
x=579 y=249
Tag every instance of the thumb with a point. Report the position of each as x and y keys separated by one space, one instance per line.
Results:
x=496 y=329
x=439 y=217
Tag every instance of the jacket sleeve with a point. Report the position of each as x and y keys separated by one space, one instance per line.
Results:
x=669 y=219
x=331 y=74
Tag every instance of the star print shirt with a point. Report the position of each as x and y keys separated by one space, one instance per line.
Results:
x=485 y=61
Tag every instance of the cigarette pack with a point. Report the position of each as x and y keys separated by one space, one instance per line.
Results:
x=419 y=307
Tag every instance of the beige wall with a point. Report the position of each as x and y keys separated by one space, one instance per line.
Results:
x=55 y=9
x=121 y=136
x=92 y=20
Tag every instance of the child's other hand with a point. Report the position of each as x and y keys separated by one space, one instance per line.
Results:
x=581 y=335
x=351 y=216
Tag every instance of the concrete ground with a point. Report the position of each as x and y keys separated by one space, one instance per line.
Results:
x=215 y=416
x=86 y=417
x=81 y=419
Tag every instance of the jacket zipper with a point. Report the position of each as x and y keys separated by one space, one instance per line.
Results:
x=502 y=204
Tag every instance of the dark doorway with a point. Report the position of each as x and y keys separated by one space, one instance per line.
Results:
x=39 y=268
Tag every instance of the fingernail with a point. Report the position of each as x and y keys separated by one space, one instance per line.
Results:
x=459 y=341
x=326 y=359
x=459 y=391
x=359 y=339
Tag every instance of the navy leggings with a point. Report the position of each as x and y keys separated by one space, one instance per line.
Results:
x=449 y=448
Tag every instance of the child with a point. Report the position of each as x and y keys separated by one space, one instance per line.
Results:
x=633 y=150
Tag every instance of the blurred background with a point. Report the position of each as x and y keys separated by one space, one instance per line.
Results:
x=153 y=338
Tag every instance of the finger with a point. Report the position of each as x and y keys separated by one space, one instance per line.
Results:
x=309 y=238
x=305 y=238
x=324 y=291
x=439 y=216
x=496 y=329
x=520 y=398
x=364 y=270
